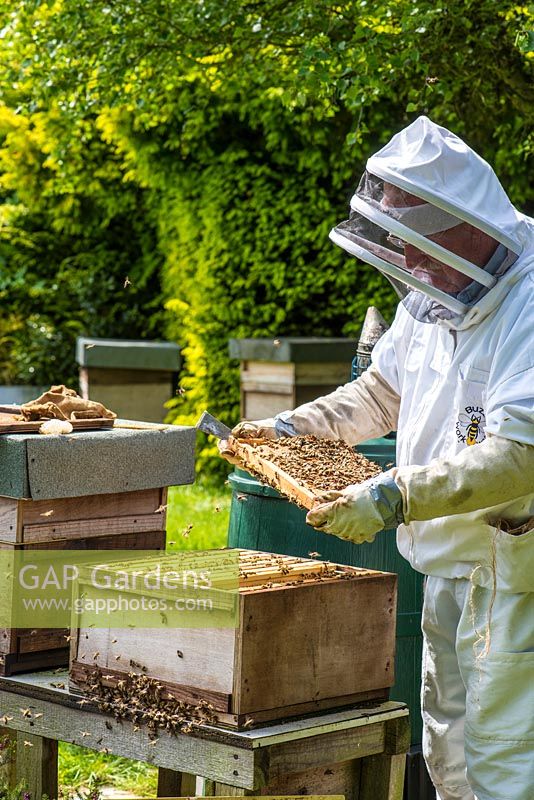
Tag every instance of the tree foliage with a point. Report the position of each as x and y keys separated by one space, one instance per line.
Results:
x=222 y=141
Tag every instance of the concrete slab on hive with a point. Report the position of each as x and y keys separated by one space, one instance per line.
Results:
x=121 y=459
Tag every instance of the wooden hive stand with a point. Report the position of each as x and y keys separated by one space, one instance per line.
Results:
x=358 y=753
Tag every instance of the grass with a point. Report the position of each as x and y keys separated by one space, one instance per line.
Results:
x=82 y=770
x=197 y=519
x=206 y=509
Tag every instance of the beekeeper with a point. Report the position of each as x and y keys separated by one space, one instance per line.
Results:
x=454 y=376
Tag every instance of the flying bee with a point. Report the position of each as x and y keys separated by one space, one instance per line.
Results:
x=471 y=425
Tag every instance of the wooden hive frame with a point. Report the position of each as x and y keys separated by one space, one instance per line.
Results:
x=286 y=484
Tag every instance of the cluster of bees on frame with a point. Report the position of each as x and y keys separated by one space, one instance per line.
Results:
x=144 y=701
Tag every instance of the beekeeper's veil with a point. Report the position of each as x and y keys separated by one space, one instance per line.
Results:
x=423 y=184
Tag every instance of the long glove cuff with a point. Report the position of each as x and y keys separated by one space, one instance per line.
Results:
x=388 y=499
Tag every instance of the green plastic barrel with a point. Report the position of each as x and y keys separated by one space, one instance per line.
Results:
x=260 y=519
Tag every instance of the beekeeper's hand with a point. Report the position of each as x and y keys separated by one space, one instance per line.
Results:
x=227 y=452
x=259 y=429
x=358 y=512
x=256 y=429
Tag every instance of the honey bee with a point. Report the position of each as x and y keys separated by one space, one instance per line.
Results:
x=471 y=425
x=186 y=531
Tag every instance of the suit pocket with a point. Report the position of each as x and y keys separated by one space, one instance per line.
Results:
x=514 y=557
x=501 y=706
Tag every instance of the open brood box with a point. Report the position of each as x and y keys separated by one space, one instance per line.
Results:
x=309 y=636
x=101 y=490
x=303 y=467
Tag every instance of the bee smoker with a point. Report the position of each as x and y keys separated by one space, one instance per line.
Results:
x=374 y=326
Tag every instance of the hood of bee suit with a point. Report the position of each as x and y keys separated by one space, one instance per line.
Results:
x=453 y=185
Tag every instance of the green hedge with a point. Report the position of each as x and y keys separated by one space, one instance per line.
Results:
x=213 y=145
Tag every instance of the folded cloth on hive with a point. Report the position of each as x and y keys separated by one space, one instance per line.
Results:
x=62 y=403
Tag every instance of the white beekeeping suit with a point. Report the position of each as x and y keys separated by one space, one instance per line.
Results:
x=454 y=375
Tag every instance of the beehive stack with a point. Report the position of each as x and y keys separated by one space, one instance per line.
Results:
x=310 y=636
x=102 y=490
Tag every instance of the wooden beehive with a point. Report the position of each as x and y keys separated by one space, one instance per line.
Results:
x=310 y=636
x=76 y=519
x=133 y=377
x=127 y=521
x=279 y=374
x=103 y=490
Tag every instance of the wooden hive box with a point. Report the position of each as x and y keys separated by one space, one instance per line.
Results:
x=309 y=636
x=133 y=377
x=100 y=490
x=279 y=374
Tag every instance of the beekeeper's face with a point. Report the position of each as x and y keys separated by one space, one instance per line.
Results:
x=463 y=239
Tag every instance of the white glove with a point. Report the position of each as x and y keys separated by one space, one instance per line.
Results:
x=350 y=514
x=256 y=429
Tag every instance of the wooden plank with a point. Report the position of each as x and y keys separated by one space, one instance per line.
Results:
x=286 y=484
x=398 y=738
x=41 y=639
x=123 y=378
x=331 y=748
x=331 y=373
x=85 y=528
x=138 y=540
x=15 y=663
x=66 y=509
x=10 y=424
x=329 y=781
x=382 y=777
x=36 y=764
x=260 y=405
x=265 y=385
x=312 y=707
x=175 y=784
x=283 y=662
x=269 y=371
x=183 y=752
x=206 y=660
x=9 y=516
x=189 y=694
x=18 y=517
x=7 y=637
x=38 y=686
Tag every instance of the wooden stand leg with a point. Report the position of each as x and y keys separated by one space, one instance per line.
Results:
x=36 y=765
x=175 y=784
x=216 y=789
x=382 y=777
